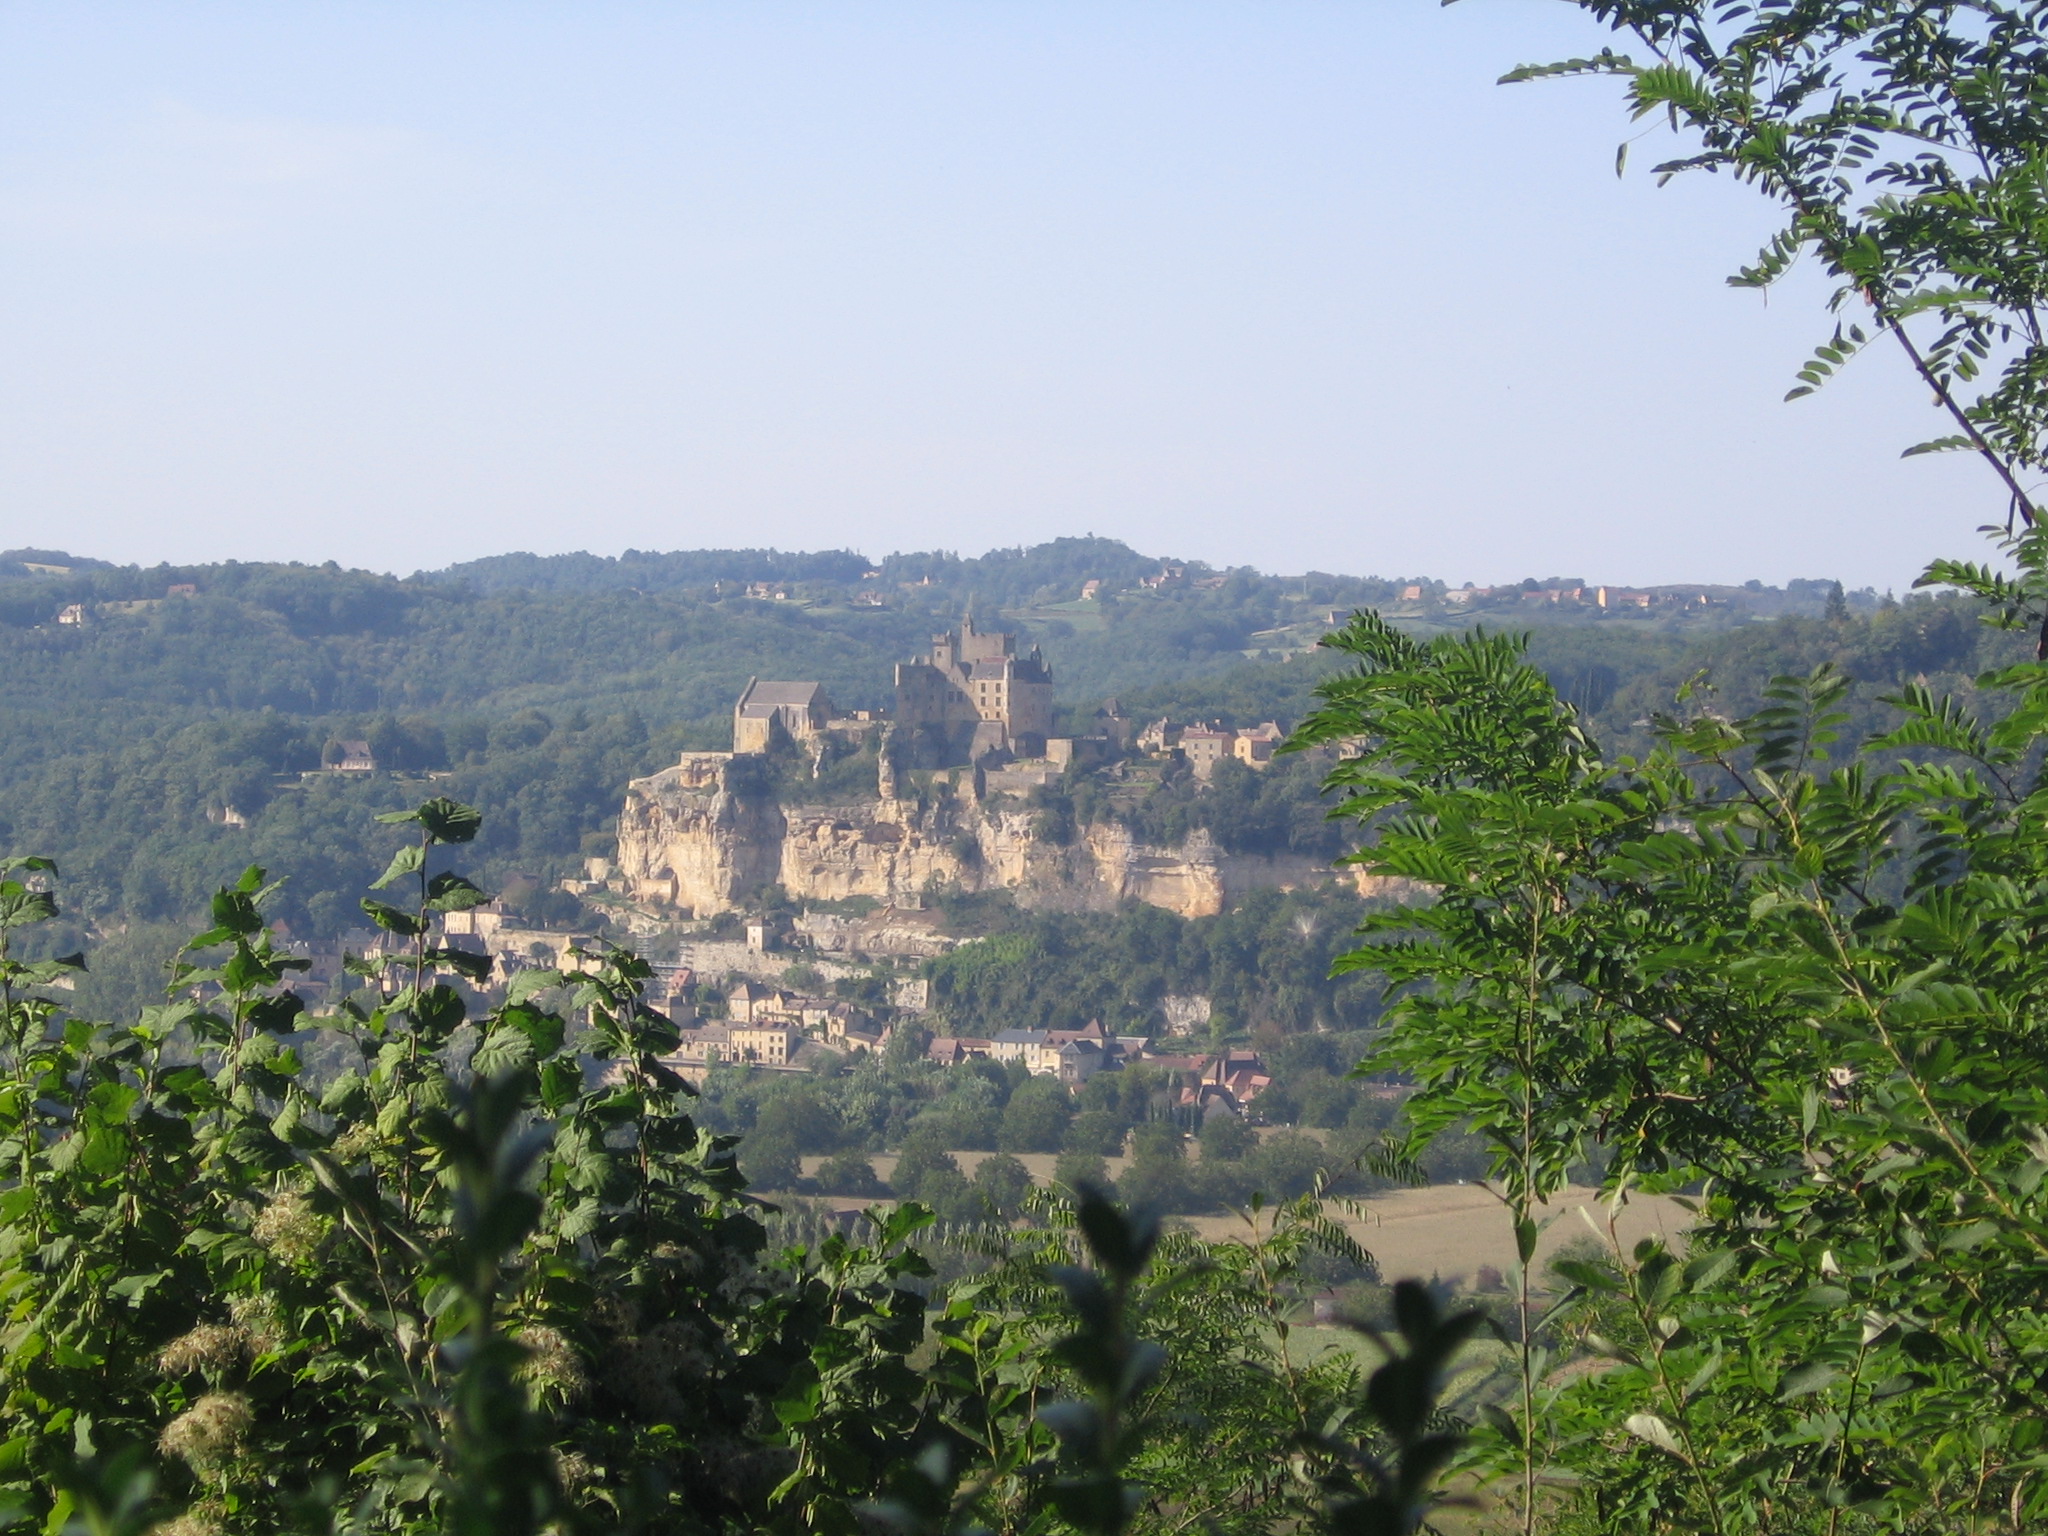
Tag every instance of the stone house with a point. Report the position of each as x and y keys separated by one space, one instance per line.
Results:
x=702 y=1047
x=1035 y=1048
x=1229 y=1080
x=953 y=1050
x=751 y=1003
x=1080 y=1060
x=1204 y=746
x=1112 y=724
x=770 y=1045
x=669 y=990
x=769 y=715
x=1255 y=747
x=1160 y=736
x=352 y=757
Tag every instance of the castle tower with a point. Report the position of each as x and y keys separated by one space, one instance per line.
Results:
x=974 y=696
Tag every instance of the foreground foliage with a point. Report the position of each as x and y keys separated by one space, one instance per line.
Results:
x=1809 y=992
x=493 y=1278
x=1802 y=983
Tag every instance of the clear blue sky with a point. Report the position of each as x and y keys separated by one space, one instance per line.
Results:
x=1288 y=284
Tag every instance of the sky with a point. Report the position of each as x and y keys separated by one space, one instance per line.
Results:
x=1291 y=285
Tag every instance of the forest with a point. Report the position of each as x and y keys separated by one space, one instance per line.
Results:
x=125 y=741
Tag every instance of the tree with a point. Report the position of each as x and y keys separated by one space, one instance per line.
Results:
x=1156 y=1178
x=1226 y=1138
x=1035 y=1119
x=923 y=1155
x=850 y=1173
x=1285 y=1165
x=221 y=1224
x=1004 y=1183
x=1097 y=1132
x=800 y=1118
x=772 y=1163
x=1734 y=962
x=954 y=1198
x=1808 y=988
x=1074 y=1171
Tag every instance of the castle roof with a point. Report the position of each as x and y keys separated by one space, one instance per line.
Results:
x=783 y=695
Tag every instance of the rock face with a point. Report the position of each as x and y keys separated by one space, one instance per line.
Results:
x=701 y=838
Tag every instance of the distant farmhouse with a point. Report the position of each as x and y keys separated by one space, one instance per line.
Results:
x=974 y=697
x=350 y=757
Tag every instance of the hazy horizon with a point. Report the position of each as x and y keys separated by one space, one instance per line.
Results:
x=1449 y=580
x=1295 y=289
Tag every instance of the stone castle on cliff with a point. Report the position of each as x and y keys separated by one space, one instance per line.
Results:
x=973 y=699
x=975 y=716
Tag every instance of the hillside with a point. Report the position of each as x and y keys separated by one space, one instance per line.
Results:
x=178 y=731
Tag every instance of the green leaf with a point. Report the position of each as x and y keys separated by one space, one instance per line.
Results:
x=1648 y=1427
x=407 y=861
x=800 y=1394
x=542 y=1029
x=20 y=907
x=449 y=821
x=466 y=963
x=1605 y=62
x=525 y=984
x=1804 y=1379
x=560 y=1083
x=392 y=920
x=503 y=1050
x=452 y=893
x=1974 y=1235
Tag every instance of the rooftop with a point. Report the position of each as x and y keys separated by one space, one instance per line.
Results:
x=783 y=694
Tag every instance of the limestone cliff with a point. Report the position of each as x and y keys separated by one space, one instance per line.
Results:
x=698 y=839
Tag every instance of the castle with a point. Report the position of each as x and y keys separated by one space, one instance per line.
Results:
x=974 y=697
x=708 y=835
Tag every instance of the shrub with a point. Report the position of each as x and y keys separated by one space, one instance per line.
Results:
x=849 y=1173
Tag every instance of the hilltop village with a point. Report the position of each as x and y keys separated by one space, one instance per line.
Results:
x=763 y=900
x=949 y=790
